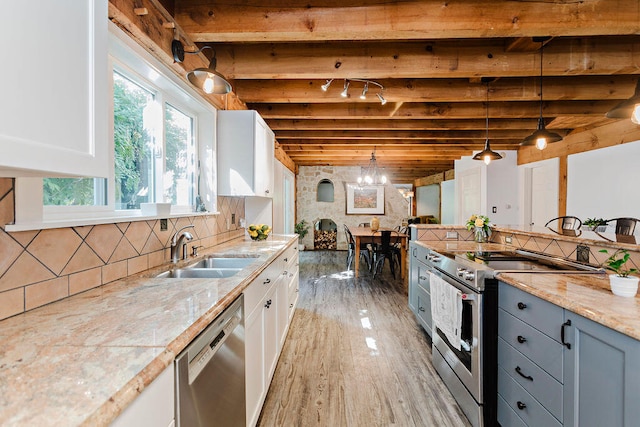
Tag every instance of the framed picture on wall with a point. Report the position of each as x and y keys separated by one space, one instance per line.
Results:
x=365 y=200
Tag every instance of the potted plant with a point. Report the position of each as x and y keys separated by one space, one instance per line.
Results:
x=622 y=284
x=596 y=224
x=301 y=229
x=479 y=224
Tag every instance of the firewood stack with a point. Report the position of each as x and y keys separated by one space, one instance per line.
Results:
x=325 y=239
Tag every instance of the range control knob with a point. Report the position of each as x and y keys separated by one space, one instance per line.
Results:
x=469 y=276
x=435 y=258
x=460 y=271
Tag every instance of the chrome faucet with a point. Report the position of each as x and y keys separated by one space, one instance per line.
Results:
x=178 y=241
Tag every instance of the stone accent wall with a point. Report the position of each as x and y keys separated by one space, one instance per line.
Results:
x=308 y=208
x=41 y=266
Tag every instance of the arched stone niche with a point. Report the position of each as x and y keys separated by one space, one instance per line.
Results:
x=325 y=191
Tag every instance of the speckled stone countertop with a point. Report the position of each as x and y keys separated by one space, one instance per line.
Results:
x=585 y=294
x=82 y=360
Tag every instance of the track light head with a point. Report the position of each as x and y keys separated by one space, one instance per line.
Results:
x=364 y=91
x=325 y=86
x=345 y=91
x=381 y=98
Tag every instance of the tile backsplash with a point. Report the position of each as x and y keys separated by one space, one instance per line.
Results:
x=41 y=266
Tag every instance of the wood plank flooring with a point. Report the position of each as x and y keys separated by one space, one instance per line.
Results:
x=355 y=356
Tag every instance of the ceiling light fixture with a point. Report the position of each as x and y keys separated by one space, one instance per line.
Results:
x=371 y=175
x=629 y=108
x=487 y=154
x=365 y=89
x=207 y=79
x=541 y=137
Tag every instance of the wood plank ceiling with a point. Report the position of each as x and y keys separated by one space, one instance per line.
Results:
x=433 y=59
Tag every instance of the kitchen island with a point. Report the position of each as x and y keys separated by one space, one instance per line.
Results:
x=82 y=360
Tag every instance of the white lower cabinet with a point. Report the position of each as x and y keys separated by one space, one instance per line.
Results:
x=154 y=407
x=268 y=314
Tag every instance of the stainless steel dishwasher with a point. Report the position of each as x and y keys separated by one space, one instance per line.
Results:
x=210 y=377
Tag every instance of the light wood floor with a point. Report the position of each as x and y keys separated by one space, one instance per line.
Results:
x=355 y=356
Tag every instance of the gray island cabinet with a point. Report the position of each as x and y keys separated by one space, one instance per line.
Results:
x=556 y=367
x=419 y=289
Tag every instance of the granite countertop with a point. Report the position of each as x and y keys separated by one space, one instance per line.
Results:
x=82 y=360
x=588 y=295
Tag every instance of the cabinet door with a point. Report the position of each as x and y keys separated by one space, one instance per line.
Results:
x=264 y=162
x=602 y=375
x=282 y=294
x=413 y=279
x=54 y=113
x=254 y=365
x=271 y=341
x=423 y=306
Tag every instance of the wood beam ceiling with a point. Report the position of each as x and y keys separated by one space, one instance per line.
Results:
x=431 y=58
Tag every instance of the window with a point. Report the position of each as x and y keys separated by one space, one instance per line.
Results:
x=163 y=149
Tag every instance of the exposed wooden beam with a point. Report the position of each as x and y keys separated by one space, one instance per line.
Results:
x=400 y=124
x=271 y=21
x=398 y=134
x=440 y=59
x=440 y=90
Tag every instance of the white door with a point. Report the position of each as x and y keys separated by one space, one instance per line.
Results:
x=469 y=194
x=289 y=201
x=541 y=194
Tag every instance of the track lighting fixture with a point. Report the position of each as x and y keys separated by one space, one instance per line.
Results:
x=365 y=88
x=487 y=154
x=207 y=79
x=325 y=86
x=629 y=108
x=541 y=137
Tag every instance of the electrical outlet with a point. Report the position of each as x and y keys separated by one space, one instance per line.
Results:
x=582 y=253
x=452 y=235
x=163 y=225
x=494 y=209
x=233 y=219
x=508 y=239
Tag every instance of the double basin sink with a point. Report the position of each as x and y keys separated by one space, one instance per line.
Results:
x=210 y=268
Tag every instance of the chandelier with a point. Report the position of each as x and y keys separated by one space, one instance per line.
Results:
x=371 y=175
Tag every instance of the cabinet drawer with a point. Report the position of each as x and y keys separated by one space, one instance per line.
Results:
x=540 y=385
x=423 y=277
x=290 y=265
x=423 y=309
x=507 y=416
x=420 y=253
x=538 y=347
x=540 y=314
x=255 y=292
x=523 y=404
x=290 y=257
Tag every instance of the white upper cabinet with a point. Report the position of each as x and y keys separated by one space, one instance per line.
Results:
x=245 y=154
x=54 y=84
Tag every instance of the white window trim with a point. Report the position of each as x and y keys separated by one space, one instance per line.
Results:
x=31 y=214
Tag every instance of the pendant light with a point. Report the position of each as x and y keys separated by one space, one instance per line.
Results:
x=371 y=175
x=541 y=137
x=487 y=154
x=629 y=108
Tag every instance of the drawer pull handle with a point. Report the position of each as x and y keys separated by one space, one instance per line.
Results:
x=422 y=277
x=268 y=304
x=527 y=377
x=520 y=405
x=286 y=260
x=566 y=344
x=266 y=282
x=522 y=305
x=521 y=339
x=421 y=309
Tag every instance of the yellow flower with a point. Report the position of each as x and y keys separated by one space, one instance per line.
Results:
x=479 y=222
x=473 y=218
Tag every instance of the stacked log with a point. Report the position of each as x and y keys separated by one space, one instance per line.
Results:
x=325 y=239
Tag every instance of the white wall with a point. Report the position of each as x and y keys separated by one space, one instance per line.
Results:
x=428 y=200
x=537 y=214
x=604 y=183
x=498 y=187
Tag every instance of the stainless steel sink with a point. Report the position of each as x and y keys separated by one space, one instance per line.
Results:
x=200 y=273
x=223 y=262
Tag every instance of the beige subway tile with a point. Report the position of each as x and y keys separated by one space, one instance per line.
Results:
x=85 y=280
x=137 y=264
x=45 y=292
x=114 y=271
x=157 y=258
x=11 y=303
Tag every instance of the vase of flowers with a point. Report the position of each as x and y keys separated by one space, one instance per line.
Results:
x=479 y=224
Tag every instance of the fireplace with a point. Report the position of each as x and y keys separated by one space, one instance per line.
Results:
x=325 y=234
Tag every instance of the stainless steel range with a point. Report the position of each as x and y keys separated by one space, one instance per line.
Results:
x=469 y=368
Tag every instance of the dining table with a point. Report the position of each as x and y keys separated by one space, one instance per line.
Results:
x=364 y=235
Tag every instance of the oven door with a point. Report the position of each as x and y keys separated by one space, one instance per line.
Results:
x=466 y=363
